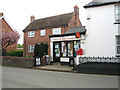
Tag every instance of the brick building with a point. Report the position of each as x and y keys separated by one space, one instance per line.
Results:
x=6 y=27
x=39 y=30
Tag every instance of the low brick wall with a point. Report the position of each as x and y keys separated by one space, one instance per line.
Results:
x=18 y=61
x=99 y=68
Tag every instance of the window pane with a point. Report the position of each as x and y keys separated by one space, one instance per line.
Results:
x=118 y=40
x=64 y=49
x=28 y=34
x=42 y=33
x=70 y=49
x=56 y=30
x=76 y=47
x=32 y=34
x=28 y=48
x=32 y=48
x=57 y=49
x=118 y=49
x=117 y=13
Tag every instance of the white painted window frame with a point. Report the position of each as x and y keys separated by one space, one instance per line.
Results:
x=117 y=13
x=31 y=48
x=31 y=34
x=42 y=32
x=117 y=45
x=56 y=31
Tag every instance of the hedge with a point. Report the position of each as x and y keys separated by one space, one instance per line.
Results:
x=17 y=53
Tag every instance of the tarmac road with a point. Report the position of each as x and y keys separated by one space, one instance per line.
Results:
x=13 y=77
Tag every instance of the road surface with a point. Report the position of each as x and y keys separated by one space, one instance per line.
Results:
x=13 y=77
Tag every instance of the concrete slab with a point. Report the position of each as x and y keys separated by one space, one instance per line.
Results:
x=56 y=67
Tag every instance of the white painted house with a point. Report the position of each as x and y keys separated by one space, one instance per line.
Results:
x=103 y=28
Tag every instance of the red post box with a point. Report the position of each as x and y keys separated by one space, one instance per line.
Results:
x=80 y=52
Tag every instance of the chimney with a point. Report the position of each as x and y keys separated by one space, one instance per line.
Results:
x=76 y=11
x=1 y=14
x=32 y=18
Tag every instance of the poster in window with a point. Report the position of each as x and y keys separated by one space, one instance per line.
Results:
x=57 y=55
x=68 y=46
x=75 y=46
x=55 y=50
x=74 y=42
x=56 y=46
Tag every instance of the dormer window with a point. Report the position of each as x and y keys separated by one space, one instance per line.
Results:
x=117 y=13
x=56 y=31
x=31 y=34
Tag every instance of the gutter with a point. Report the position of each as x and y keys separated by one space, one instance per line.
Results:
x=100 y=4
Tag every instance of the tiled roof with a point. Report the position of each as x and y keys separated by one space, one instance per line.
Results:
x=54 y=21
x=95 y=3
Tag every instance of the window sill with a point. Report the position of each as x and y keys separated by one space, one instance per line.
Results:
x=31 y=37
x=30 y=52
x=117 y=23
x=118 y=55
x=42 y=36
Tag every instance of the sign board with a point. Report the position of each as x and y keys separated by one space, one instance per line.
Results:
x=38 y=61
x=77 y=35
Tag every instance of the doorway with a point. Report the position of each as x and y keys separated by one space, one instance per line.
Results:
x=56 y=52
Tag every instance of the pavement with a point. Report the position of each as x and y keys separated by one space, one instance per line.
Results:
x=56 y=67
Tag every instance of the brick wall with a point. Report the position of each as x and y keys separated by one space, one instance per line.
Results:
x=38 y=38
x=18 y=61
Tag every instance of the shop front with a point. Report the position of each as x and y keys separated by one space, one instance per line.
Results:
x=63 y=48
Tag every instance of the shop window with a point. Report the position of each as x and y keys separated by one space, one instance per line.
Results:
x=57 y=50
x=64 y=49
x=70 y=49
x=76 y=47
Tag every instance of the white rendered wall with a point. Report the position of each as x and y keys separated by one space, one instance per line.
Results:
x=101 y=31
x=51 y=50
x=119 y=29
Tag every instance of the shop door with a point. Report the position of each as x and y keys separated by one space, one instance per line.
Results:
x=56 y=52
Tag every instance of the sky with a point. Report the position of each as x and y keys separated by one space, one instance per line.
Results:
x=18 y=12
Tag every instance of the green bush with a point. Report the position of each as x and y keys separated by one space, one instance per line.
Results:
x=40 y=49
x=19 y=46
x=17 y=53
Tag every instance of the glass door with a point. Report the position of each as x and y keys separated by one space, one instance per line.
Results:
x=56 y=52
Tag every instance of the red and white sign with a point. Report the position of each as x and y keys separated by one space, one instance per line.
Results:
x=77 y=35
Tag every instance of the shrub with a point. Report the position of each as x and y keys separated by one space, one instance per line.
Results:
x=17 y=53
x=40 y=49
x=19 y=46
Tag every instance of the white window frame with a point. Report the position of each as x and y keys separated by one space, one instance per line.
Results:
x=117 y=13
x=117 y=45
x=56 y=31
x=42 y=32
x=31 y=34
x=31 y=48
